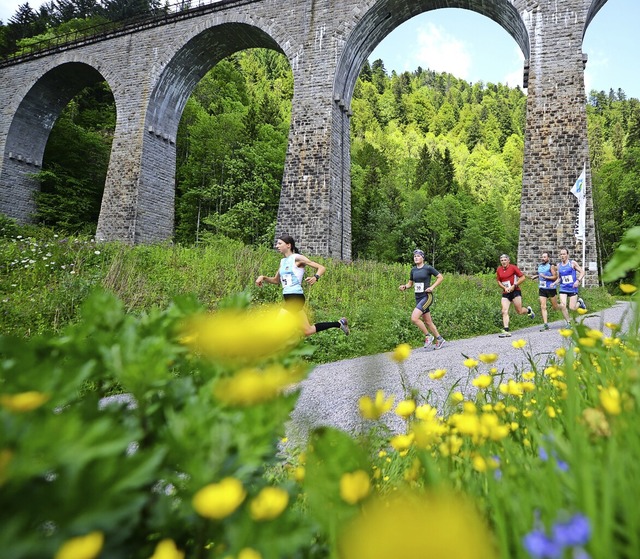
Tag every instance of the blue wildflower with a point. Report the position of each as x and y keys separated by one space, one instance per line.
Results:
x=540 y=546
x=574 y=532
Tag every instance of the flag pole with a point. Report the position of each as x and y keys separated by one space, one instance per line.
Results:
x=584 y=237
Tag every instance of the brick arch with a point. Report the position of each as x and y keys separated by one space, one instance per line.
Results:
x=29 y=131
x=174 y=82
x=386 y=15
x=184 y=68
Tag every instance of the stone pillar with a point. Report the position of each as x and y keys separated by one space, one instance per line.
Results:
x=315 y=200
x=139 y=193
x=556 y=146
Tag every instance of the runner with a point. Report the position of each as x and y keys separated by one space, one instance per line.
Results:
x=509 y=278
x=570 y=275
x=546 y=276
x=290 y=274
x=420 y=280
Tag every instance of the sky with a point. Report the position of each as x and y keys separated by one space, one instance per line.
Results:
x=474 y=48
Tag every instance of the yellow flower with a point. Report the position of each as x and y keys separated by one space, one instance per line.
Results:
x=299 y=473
x=551 y=412
x=243 y=336
x=610 y=400
x=269 y=503
x=528 y=386
x=565 y=332
x=370 y=409
x=437 y=374
x=595 y=334
x=488 y=357
x=401 y=442
x=253 y=386
x=479 y=463
x=529 y=375
x=587 y=342
x=483 y=381
x=166 y=549
x=394 y=526
x=451 y=446
x=401 y=352
x=457 y=397
x=24 y=401
x=512 y=388
x=561 y=352
x=466 y=424
x=428 y=432
x=553 y=371
x=249 y=553
x=354 y=486
x=612 y=326
x=82 y=547
x=628 y=288
x=470 y=363
x=425 y=412
x=580 y=310
x=519 y=344
x=405 y=408
x=219 y=500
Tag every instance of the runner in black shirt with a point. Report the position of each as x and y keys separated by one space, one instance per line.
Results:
x=420 y=280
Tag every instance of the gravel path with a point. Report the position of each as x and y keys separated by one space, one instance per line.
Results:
x=329 y=395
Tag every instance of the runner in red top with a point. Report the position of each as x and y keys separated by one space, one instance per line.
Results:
x=509 y=278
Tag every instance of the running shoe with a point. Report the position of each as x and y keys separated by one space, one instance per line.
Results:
x=581 y=303
x=544 y=328
x=532 y=315
x=569 y=325
x=344 y=326
x=504 y=334
x=439 y=343
x=427 y=342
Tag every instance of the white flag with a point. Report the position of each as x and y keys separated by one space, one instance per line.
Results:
x=578 y=190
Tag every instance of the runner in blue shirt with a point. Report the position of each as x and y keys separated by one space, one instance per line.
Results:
x=546 y=276
x=570 y=275
x=420 y=280
x=290 y=275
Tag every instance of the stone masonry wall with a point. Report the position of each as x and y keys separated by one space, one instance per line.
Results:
x=556 y=137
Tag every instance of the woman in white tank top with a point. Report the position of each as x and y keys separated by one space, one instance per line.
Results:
x=290 y=275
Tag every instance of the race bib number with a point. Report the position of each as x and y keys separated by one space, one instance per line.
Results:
x=542 y=283
x=286 y=280
x=507 y=284
x=418 y=287
x=567 y=279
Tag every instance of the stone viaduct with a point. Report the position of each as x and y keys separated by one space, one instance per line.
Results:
x=152 y=69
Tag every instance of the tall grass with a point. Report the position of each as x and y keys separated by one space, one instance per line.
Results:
x=44 y=277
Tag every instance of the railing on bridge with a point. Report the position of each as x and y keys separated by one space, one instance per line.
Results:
x=155 y=17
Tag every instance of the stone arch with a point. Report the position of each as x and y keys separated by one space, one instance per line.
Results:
x=29 y=131
x=385 y=15
x=378 y=21
x=155 y=197
x=591 y=13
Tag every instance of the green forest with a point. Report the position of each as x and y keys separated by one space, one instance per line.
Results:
x=436 y=161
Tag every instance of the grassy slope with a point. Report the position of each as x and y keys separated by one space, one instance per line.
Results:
x=44 y=278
